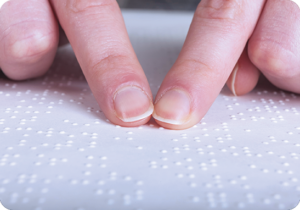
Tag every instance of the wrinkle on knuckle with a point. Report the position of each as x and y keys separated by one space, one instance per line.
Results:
x=221 y=10
x=106 y=65
x=80 y=6
x=201 y=68
x=194 y=64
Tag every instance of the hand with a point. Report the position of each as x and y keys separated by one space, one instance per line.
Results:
x=231 y=40
x=218 y=36
x=29 y=36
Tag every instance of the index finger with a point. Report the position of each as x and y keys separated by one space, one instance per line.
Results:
x=97 y=33
x=217 y=36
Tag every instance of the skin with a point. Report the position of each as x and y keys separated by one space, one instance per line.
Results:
x=229 y=41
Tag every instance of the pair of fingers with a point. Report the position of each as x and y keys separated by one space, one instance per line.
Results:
x=230 y=40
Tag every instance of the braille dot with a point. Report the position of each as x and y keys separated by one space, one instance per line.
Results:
x=85 y=182
x=127 y=178
x=111 y=192
x=232 y=182
x=193 y=184
x=139 y=183
x=73 y=182
x=241 y=205
x=285 y=164
x=180 y=175
x=28 y=190
x=45 y=190
x=294 y=179
x=87 y=173
x=99 y=192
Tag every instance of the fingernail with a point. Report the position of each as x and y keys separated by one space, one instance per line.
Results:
x=173 y=107
x=132 y=104
x=234 y=72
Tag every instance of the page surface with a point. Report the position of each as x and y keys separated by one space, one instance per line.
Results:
x=58 y=150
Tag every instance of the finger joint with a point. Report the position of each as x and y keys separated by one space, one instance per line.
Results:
x=81 y=6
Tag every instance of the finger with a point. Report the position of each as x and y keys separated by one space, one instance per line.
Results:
x=217 y=37
x=97 y=33
x=275 y=44
x=244 y=76
x=28 y=38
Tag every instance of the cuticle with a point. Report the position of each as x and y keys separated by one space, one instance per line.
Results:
x=125 y=86
x=172 y=88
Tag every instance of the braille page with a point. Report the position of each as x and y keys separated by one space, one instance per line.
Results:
x=58 y=150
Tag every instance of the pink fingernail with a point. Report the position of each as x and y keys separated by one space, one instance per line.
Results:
x=132 y=104
x=173 y=107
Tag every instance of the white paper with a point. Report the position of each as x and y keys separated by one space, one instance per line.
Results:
x=58 y=151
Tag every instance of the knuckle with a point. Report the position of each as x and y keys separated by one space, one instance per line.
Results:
x=80 y=6
x=110 y=67
x=31 y=49
x=273 y=59
x=110 y=61
x=220 y=9
x=228 y=11
x=201 y=68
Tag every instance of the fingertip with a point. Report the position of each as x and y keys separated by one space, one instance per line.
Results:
x=117 y=121
x=173 y=107
x=29 y=39
x=173 y=110
x=30 y=57
x=191 y=121
x=132 y=104
x=172 y=126
x=129 y=106
x=123 y=95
